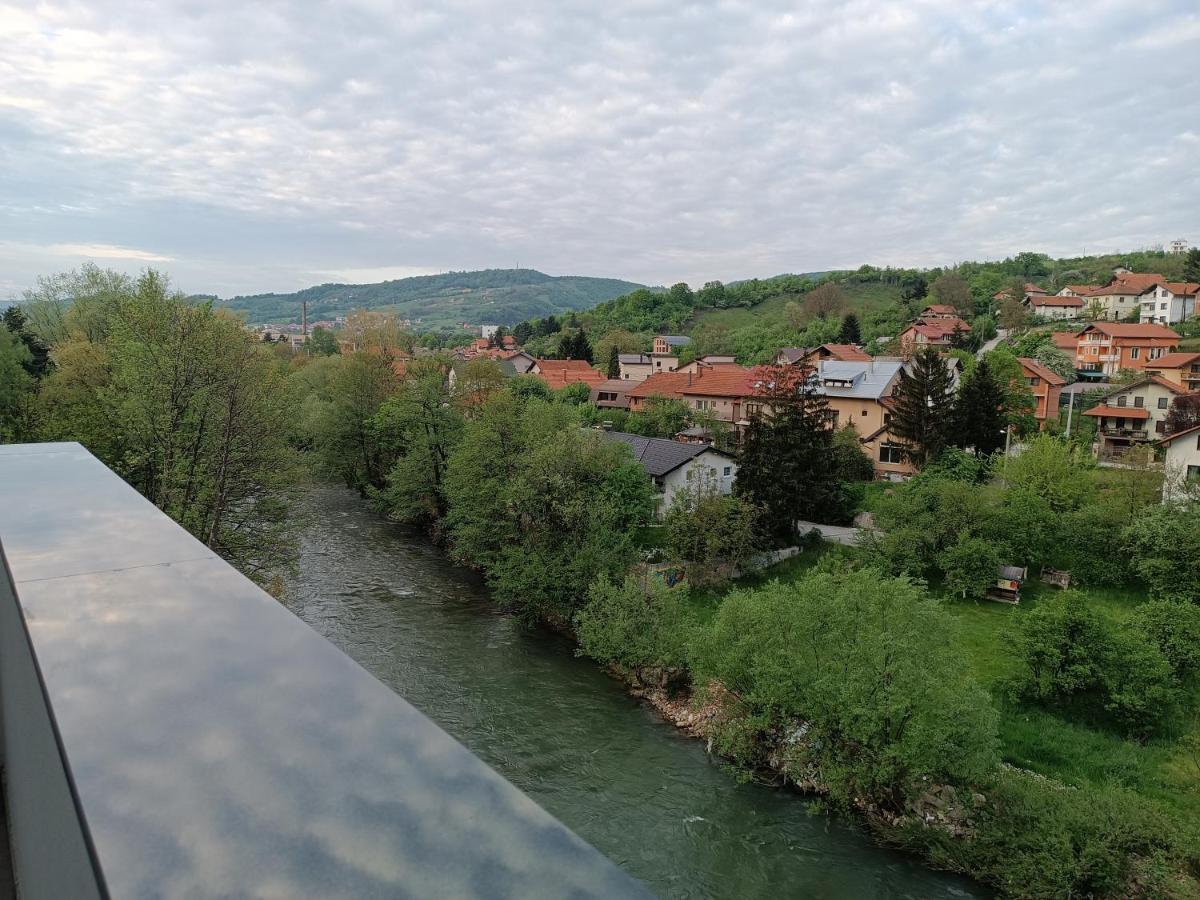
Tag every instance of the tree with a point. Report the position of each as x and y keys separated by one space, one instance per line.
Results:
x=377 y=332
x=476 y=380
x=1165 y=550
x=1013 y=313
x=1184 y=413
x=786 y=468
x=869 y=664
x=1056 y=361
x=575 y=345
x=850 y=461
x=660 y=417
x=712 y=294
x=15 y=386
x=824 y=301
x=913 y=288
x=951 y=289
x=924 y=406
x=1019 y=403
x=321 y=342
x=38 y=364
x=851 y=333
x=711 y=533
x=614 y=362
x=640 y=623
x=979 y=414
x=970 y=565
x=1191 y=265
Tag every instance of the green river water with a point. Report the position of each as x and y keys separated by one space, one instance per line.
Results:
x=567 y=734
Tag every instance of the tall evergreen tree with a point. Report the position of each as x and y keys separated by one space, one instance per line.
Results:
x=786 y=467
x=38 y=364
x=979 y=414
x=1191 y=265
x=851 y=333
x=924 y=406
x=614 y=362
x=522 y=332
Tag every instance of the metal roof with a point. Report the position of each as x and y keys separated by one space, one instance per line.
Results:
x=867 y=380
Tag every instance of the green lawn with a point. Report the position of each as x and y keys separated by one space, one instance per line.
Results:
x=1033 y=738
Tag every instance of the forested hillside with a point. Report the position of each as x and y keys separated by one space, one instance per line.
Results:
x=500 y=296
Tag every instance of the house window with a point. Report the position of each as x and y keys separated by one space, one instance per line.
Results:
x=728 y=471
x=1139 y=402
x=891 y=453
x=1193 y=473
x=1122 y=400
x=1156 y=352
x=1134 y=351
x=1163 y=402
x=1033 y=381
x=864 y=412
x=1160 y=427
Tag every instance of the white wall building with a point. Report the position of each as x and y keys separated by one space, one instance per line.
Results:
x=1181 y=470
x=1167 y=303
x=675 y=467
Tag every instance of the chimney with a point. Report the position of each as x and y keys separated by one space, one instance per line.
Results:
x=689 y=379
x=304 y=317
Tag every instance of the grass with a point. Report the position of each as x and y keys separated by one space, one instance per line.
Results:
x=1163 y=770
x=863 y=298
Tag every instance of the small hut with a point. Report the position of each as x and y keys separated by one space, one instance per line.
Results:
x=1007 y=588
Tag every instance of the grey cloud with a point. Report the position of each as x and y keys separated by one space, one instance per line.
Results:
x=254 y=144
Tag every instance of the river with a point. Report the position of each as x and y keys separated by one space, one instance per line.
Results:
x=567 y=734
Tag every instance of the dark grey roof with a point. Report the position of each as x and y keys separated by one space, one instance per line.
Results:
x=634 y=359
x=658 y=456
x=676 y=340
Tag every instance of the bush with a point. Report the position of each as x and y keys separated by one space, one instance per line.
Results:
x=634 y=624
x=712 y=534
x=1164 y=544
x=864 y=660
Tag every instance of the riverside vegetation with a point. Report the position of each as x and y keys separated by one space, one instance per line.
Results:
x=1049 y=750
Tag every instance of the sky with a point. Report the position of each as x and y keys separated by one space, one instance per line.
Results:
x=258 y=146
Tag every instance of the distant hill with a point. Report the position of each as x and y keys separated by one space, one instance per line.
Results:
x=496 y=296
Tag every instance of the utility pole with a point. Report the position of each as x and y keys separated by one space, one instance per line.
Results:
x=1070 y=409
x=1004 y=468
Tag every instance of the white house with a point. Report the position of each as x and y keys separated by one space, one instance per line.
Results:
x=1181 y=470
x=487 y=332
x=675 y=466
x=1131 y=415
x=1058 y=306
x=635 y=366
x=1168 y=302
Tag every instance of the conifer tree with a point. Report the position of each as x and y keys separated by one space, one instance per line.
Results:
x=851 y=333
x=786 y=467
x=979 y=414
x=1191 y=265
x=614 y=362
x=924 y=406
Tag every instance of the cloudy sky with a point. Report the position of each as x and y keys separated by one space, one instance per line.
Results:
x=253 y=146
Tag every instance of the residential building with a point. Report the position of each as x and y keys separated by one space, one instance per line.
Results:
x=1168 y=302
x=1031 y=290
x=1120 y=297
x=859 y=394
x=664 y=385
x=558 y=373
x=1181 y=463
x=1179 y=245
x=669 y=344
x=1046 y=386
x=939 y=311
x=675 y=466
x=611 y=393
x=809 y=356
x=488 y=331
x=707 y=362
x=1109 y=347
x=1077 y=290
x=515 y=363
x=724 y=392
x=1064 y=341
x=1055 y=306
x=1131 y=415
x=635 y=366
x=1181 y=369
x=939 y=333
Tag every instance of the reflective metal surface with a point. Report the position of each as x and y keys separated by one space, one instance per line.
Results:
x=219 y=747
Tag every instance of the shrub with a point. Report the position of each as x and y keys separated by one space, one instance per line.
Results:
x=866 y=661
x=712 y=534
x=1164 y=544
x=634 y=624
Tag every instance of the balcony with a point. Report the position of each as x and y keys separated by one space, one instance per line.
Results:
x=1135 y=434
x=169 y=729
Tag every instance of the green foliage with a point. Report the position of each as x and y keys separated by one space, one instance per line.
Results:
x=18 y=325
x=1018 y=401
x=865 y=662
x=1165 y=548
x=322 y=342
x=980 y=412
x=924 y=406
x=952 y=289
x=16 y=385
x=638 y=623
x=850 y=462
x=660 y=417
x=970 y=565
x=573 y=394
x=712 y=534
x=851 y=333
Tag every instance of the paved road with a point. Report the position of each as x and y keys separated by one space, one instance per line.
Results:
x=1001 y=334
x=835 y=533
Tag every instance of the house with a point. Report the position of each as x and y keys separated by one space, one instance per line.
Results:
x=1181 y=463
x=669 y=344
x=1120 y=297
x=1065 y=341
x=725 y=392
x=940 y=333
x=516 y=363
x=610 y=393
x=1046 y=386
x=939 y=311
x=488 y=331
x=1077 y=290
x=1031 y=290
x=635 y=366
x=1168 y=302
x=663 y=385
x=1179 y=245
x=1131 y=415
x=1181 y=369
x=809 y=356
x=708 y=362
x=675 y=466
x=558 y=373
x=859 y=394
x=1109 y=347
x=1055 y=307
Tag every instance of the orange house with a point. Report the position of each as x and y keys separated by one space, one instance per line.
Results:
x=558 y=373
x=1109 y=347
x=1181 y=369
x=1046 y=386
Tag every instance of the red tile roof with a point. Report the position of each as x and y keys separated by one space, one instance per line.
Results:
x=1129 y=283
x=1055 y=300
x=847 y=352
x=1063 y=340
x=1173 y=361
x=1082 y=288
x=1119 y=412
x=558 y=373
x=661 y=384
x=722 y=382
x=1179 y=288
x=1147 y=331
x=1036 y=368
x=940 y=309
